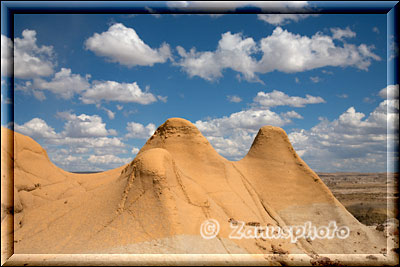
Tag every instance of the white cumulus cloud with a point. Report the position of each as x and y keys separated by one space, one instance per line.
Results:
x=84 y=125
x=115 y=91
x=110 y=114
x=37 y=129
x=135 y=150
x=233 y=52
x=282 y=19
x=340 y=34
x=353 y=141
x=30 y=60
x=246 y=119
x=288 y=52
x=234 y=98
x=6 y=52
x=107 y=159
x=83 y=136
x=281 y=51
x=138 y=130
x=291 y=114
x=234 y=146
x=390 y=92
x=64 y=83
x=123 y=45
x=278 y=98
x=162 y=98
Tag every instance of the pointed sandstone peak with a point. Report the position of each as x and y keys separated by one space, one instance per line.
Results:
x=271 y=143
x=183 y=140
x=176 y=126
x=176 y=131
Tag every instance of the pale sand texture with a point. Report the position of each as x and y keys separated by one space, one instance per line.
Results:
x=157 y=203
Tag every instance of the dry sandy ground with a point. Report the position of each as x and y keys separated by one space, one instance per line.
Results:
x=365 y=195
x=158 y=203
x=371 y=197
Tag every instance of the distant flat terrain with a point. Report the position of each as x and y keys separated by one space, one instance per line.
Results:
x=365 y=195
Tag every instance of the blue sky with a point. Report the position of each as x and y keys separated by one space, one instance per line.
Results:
x=93 y=88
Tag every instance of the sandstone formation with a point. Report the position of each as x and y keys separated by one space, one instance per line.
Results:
x=158 y=202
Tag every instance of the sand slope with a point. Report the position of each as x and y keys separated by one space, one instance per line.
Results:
x=157 y=203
